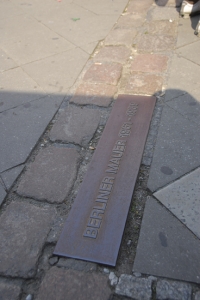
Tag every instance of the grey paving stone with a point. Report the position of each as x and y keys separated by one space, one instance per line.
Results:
x=2 y=193
x=21 y=127
x=166 y=247
x=177 y=149
x=51 y=176
x=10 y=176
x=188 y=105
x=78 y=265
x=24 y=228
x=166 y=290
x=182 y=198
x=76 y=125
x=186 y=81
x=136 y=288
x=9 y=290
x=68 y=284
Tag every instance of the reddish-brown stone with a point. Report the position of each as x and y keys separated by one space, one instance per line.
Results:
x=140 y=7
x=90 y=93
x=120 y=36
x=144 y=84
x=151 y=43
x=24 y=229
x=149 y=63
x=113 y=53
x=73 y=285
x=51 y=176
x=108 y=73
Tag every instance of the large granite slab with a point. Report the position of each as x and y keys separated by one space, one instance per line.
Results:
x=76 y=125
x=177 y=149
x=24 y=229
x=21 y=127
x=182 y=198
x=166 y=247
x=65 y=284
x=51 y=176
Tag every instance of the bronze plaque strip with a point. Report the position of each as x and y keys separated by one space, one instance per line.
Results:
x=95 y=225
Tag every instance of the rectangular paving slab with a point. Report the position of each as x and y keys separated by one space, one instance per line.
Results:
x=177 y=149
x=166 y=247
x=95 y=225
x=182 y=198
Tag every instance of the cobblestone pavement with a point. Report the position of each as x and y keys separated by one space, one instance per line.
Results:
x=148 y=51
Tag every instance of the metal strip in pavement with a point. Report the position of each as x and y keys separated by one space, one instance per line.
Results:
x=94 y=228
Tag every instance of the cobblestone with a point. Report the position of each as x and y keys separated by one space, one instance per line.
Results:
x=166 y=290
x=137 y=288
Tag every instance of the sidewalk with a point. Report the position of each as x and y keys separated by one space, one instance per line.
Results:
x=60 y=78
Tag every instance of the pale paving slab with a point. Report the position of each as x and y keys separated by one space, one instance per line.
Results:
x=104 y=6
x=10 y=176
x=76 y=125
x=24 y=228
x=182 y=198
x=191 y=52
x=188 y=105
x=51 y=176
x=65 y=284
x=166 y=247
x=34 y=44
x=22 y=90
x=186 y=34
x=6 y=62
x=177 y=149
x=22 y=138
x=58 y=72
x=187 y=79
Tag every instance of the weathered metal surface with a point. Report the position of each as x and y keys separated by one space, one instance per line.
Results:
x=95 y=225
